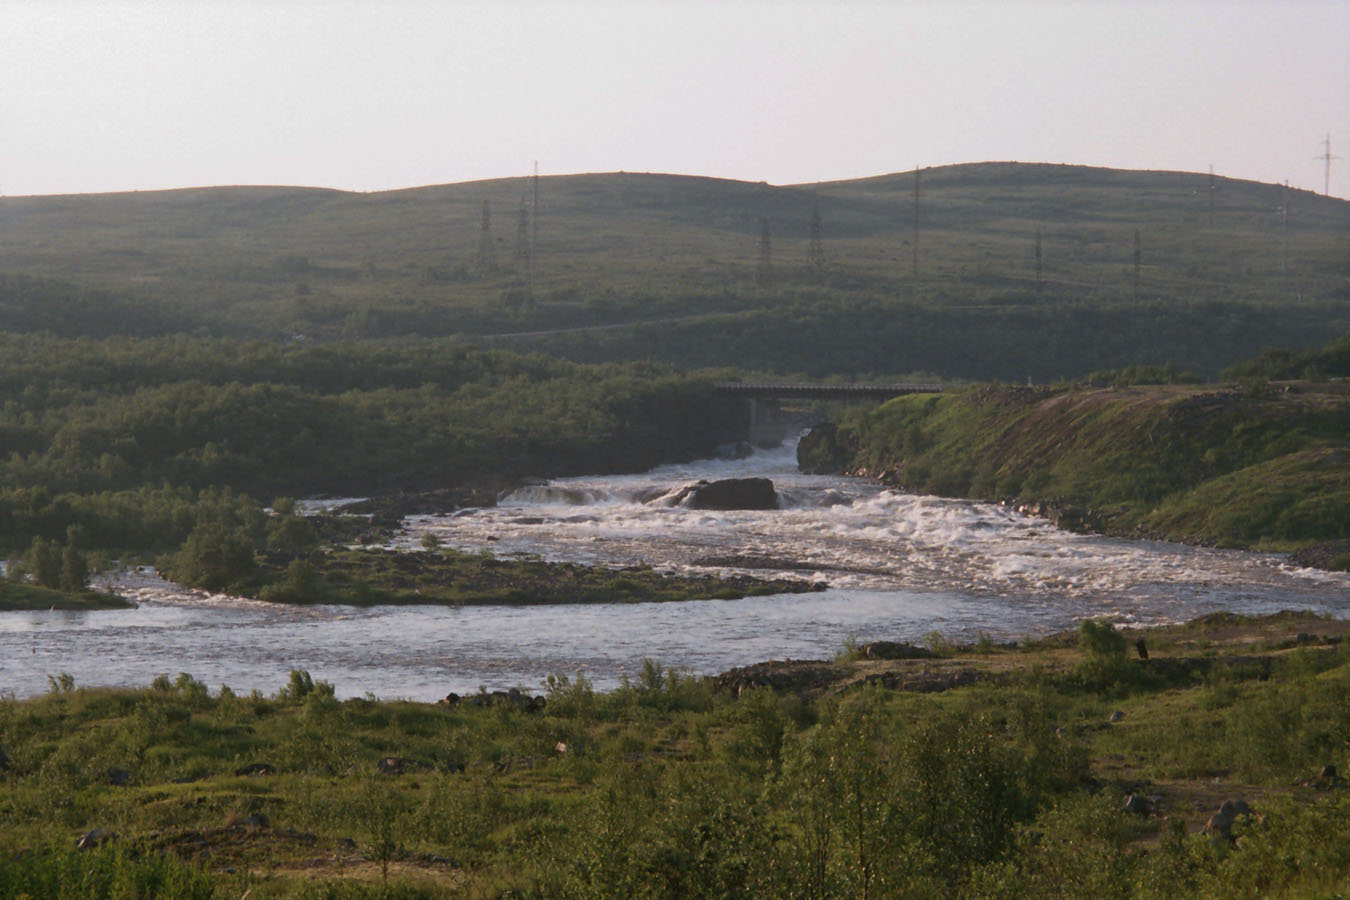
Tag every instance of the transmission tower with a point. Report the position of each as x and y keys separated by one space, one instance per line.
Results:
x=487 y=257
x=764 y=271
x=1284 y=231
x=534 y=226
x=1211 y=195
x=916 y=221
x=1138 y=259
x=815 y=248
x=1039 y=282
x=1326 y=158
x=523 y=232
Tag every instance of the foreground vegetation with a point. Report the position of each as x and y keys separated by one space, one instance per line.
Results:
x=1250 y=464
x=1058 y=768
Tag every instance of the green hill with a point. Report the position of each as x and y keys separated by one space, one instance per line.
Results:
x=676 y=262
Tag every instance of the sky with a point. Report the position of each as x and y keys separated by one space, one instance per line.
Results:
x=101 y=95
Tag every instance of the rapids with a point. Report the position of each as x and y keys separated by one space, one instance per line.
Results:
x=898 y=566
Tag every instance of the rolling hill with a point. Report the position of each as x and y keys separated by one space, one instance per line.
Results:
x=1225 y=267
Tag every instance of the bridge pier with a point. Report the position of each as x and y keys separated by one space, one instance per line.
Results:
x=766 y=421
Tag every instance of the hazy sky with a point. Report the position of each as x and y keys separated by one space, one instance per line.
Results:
x=102 y=96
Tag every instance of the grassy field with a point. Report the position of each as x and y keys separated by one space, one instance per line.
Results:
x=682 y=254
x=1063 y=767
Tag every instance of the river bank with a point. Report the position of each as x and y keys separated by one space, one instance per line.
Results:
x=1072 y=751
x=1265 y=467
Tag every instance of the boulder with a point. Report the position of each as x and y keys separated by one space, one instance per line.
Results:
x=895 y=650
x=118 y=777
x=391 y=765
x=91 y=839
x=1220 y=825
x=1138 y=805
x=729 y=493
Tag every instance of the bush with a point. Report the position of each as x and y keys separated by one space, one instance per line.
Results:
x=1100 y=640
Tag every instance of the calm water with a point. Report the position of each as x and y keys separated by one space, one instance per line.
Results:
x=899 y=566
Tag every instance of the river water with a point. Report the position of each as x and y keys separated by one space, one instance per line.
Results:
x=899 y=566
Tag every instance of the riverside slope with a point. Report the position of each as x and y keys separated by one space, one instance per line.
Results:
x=1267 y=465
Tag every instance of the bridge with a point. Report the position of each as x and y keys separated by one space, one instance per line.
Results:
x=767 y=425
x=786 y=390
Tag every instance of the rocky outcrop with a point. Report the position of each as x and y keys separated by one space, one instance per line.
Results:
x=825 y=450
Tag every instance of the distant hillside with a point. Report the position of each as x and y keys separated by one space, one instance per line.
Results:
x=1224 y=268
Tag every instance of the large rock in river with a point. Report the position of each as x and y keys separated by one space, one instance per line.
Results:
x=825 y=450
x=730 y=493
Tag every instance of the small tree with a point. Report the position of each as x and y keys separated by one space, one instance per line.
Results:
x=43 y=562
x=74 y=575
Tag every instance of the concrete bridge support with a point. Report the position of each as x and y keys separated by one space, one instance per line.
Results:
x=767 y=427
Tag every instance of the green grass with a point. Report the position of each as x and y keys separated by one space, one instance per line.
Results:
x=669 y=787
x=17 y=596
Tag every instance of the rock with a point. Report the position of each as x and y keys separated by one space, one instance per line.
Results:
x=91 y=839
x=1116 y=716
x=738 y=450
x=825 y=450
x=397 y=765
x=253 y=770
x=730 y=493
x=1220 y=825
x=514 y=698
x=1138 y=805
x=560 y=748
x=118 y=777
x=895 y=650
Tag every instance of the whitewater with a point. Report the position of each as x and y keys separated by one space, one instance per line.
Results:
x=897 y=566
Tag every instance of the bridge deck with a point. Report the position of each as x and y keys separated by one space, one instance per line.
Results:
x=825 y=391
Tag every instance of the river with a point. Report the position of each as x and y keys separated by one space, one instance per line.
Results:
x=899 y=567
